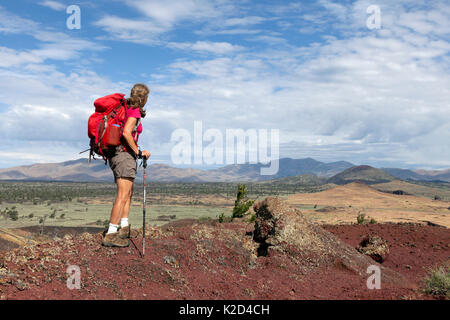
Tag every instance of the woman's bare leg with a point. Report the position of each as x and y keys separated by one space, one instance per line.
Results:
x=126 y=208
x=124 y=192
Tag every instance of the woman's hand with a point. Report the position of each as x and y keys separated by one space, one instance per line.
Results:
x=146 y=154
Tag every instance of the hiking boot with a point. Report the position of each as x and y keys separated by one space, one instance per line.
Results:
x=127 y=232
x=114 y=240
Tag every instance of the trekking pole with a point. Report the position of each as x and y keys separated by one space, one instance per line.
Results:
x=144 y=164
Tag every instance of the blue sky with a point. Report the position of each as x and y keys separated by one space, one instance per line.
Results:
x=335 y=89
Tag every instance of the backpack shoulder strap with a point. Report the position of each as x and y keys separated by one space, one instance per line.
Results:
x=135 y=128
x=138 y=122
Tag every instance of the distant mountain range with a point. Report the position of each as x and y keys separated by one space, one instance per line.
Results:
x=422 y=175
x=336 y=172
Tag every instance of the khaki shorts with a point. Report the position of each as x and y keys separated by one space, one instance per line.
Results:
x=123 y=164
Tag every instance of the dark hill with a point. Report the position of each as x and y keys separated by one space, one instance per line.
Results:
x=365 y=174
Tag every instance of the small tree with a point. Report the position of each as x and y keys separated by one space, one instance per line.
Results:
x=242 y=204
x=13 y=214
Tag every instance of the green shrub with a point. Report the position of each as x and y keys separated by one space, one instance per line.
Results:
x=242 y=204
x=372 y=221
x=62 y=216
x=438 y=282
x=31 y=215
x=252 y=218
x=360 y=218
x=224 y=218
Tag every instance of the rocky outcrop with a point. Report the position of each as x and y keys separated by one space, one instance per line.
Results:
x=374 y=247
x=281 y=227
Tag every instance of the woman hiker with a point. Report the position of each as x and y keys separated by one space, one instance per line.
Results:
x=124 y=166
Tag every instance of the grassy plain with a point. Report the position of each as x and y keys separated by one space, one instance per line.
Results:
x=89 y=204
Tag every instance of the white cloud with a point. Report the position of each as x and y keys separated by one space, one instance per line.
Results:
x=270 y=40
x=378 y=97
x=334 y=8
x=13 y=24
x=169 y=12
x=52 y=44
x=50 y=105
x=10 y=57
x=235 y=31
x=132 y=30
x=55 y=5
x=244 y=21
x=63 y=47
x=382 y=96
x=207 y=46
x=156 y=18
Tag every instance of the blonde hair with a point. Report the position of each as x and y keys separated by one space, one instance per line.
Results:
x=138 y=96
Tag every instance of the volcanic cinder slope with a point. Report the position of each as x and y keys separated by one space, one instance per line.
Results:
x=281 y=256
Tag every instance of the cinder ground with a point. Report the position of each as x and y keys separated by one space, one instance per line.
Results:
x=190 y=259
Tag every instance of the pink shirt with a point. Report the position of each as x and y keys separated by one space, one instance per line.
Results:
x=134 y=113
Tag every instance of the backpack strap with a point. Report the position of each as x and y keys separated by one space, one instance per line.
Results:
x=114 y=112
x=138 y=122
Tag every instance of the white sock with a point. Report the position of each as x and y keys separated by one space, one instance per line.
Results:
x=124 y=222
x=113 y=228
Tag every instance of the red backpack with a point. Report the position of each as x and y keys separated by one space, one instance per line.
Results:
x=105 y=125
